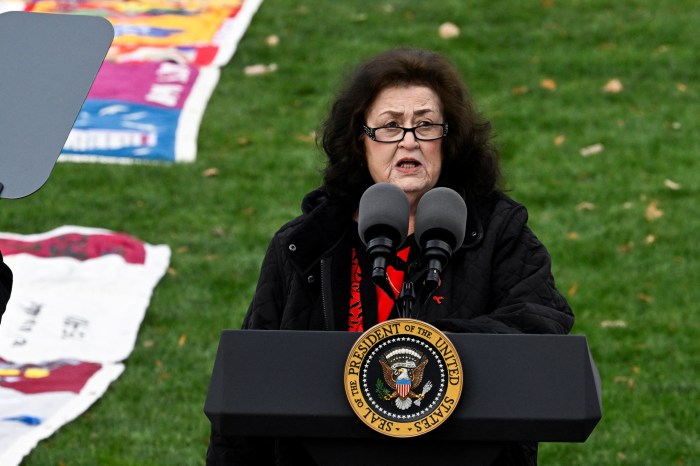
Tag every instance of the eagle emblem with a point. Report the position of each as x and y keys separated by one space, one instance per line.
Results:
x=403 y=369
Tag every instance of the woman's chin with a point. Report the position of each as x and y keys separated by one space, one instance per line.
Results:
x=412 y=187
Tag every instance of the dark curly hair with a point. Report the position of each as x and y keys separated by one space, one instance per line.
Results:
x=470 y=163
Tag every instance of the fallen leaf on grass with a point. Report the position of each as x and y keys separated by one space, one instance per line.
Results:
x=627 y=247
x=519 y=90
x=448 y=31
x=681 y=87
x=172 y=272
x=548 y=84
x=653 y=212
x=624 y=379
x=585 y=206
x=672 y=185
x=613 y=324
x=650 y=239
x=259 y=69
x=309 y=138
x=559 y=140
x=182 y=340
x=614 y=86
x=591 y=150
x=210 y=172
x=272 y=41
x=644 y=297
x=572 y=290
x=572 y=235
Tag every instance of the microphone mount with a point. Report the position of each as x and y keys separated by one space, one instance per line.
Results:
x=380 y=250
x=437 y=253
x=406 y=299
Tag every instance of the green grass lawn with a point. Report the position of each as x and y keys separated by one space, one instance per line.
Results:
x=621 y=224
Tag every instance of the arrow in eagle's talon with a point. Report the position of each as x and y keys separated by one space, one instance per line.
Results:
x=426 y=388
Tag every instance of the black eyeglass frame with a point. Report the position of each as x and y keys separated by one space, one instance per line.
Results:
x=371 y=132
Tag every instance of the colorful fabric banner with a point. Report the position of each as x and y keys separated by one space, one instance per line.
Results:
x=150 y=95
x=142 y=111
x=78 y=300
x=28 y=418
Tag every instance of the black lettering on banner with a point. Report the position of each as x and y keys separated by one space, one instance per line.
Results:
x=74 y=328
x=19 y=342
x=33 y=309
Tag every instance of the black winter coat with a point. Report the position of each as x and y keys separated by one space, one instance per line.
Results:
x=499 y=281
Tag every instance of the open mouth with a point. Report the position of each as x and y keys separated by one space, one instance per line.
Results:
x=407 y=164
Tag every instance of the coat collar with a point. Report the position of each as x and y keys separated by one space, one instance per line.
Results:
x=322 y=227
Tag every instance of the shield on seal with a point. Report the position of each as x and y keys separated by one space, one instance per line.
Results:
x=403 y=387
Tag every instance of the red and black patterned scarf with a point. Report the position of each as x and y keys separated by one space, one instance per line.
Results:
x=385 y=303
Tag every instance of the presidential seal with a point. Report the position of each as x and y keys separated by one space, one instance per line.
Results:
x=403 y=378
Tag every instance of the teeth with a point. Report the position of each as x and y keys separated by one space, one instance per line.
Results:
x=408 y=165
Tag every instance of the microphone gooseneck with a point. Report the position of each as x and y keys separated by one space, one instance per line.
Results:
x=441 y=222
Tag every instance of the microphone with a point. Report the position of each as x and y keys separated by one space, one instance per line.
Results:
x=383 y=225
x=441 y=222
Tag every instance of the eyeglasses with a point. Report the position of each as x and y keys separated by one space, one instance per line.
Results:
x=397 y=133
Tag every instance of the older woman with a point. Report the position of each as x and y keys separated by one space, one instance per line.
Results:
x=404 y=117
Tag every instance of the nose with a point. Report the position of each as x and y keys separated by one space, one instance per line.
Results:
x=409 y=140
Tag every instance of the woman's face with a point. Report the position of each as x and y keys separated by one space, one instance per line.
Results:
x=412 y=165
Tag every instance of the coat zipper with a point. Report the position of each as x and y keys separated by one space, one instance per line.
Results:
x=325 y=294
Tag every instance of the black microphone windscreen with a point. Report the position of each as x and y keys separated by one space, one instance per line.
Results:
x=440 y=211
x=383 y=208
